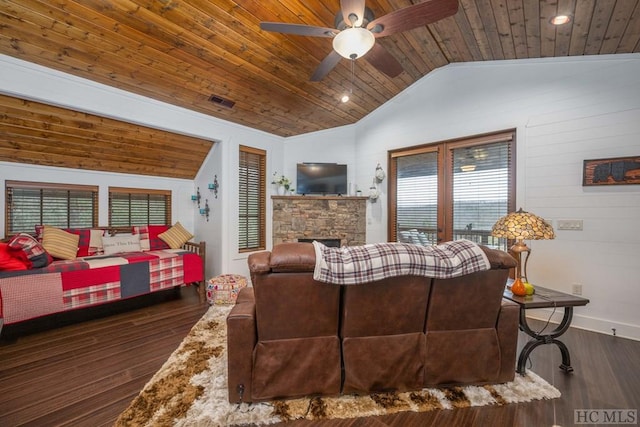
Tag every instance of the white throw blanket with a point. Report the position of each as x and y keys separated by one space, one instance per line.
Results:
x=351 y=265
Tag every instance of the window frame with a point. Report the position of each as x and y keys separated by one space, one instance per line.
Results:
x=10 y=187
x=137 y=192
x=261 y=200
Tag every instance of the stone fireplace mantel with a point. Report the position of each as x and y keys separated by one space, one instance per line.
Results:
x=320 y=217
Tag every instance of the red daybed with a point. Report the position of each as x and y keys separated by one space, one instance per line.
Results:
x=66 y=285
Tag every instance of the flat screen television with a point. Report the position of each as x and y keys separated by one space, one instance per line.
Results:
x=321 y=178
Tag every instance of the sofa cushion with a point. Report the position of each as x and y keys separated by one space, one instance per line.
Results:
x=59 y=243
x=121 y=243
x=176 y=236
x=29 y=250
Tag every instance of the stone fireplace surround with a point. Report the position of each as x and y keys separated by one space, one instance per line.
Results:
x=320 y=217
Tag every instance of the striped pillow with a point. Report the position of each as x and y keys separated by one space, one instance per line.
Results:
x=60 y=244
x=176 y=236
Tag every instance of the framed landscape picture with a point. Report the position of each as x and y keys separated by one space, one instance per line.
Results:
x=614 y=171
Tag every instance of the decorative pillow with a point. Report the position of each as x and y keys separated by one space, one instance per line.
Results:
x=84 y=243
x=95 y=242
x=176 y=236
x=149 y=240
x=121 y=243
x=59 y=243
x=8 y=262
x=29 y=250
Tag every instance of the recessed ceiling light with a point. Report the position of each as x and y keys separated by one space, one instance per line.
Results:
x=560 y=19
x=345 y=98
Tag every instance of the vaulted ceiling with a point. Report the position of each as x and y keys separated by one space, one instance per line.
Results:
x=185 y=51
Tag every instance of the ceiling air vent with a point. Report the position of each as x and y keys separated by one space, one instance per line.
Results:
x=227 y=103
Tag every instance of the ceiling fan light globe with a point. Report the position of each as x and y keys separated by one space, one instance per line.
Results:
x=353 y=43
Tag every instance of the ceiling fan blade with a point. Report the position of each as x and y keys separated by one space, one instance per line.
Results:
x=327 y=64
x=298 y=29
x=414 y=16
x=380 y=58
x=355 y=7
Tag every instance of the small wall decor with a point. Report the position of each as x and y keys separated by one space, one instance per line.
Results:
x=205 y=211
x=373 y=191
x=196 y=197
x=214 y=186
x=614 y=171
x=380 y=175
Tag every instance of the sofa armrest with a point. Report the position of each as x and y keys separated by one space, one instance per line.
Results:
x=241 y=340
x=507 y=329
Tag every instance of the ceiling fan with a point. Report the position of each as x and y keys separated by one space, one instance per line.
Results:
x=356 y=29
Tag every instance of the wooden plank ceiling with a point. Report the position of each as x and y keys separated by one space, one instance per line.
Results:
x=184 y=51
x=41 y=134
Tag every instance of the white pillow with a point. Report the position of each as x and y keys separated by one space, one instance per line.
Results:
x=121 y=243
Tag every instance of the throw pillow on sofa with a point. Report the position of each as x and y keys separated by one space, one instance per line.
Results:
x=149 y=240
x=121 y=243
x=59 y=243
x=176 y=236
x=26 y=248
x=89 y=243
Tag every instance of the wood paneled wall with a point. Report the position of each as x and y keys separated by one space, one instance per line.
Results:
x=41 y=134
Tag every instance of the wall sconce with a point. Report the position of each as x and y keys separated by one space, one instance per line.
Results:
x=373 y=191
x=196 y=197
x=380 y=175
x=214 y=187
x=205 y=211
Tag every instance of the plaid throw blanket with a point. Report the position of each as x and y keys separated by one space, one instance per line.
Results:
x=362 y=264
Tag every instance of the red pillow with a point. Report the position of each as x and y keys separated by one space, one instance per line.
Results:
x=149 y=239
x=8 y=262
x=84 y=242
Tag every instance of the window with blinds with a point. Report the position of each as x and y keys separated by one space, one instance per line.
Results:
x=135 y=206
x=59 y=205
x=452 y=190
x=480 y=191
x=252 y=199
x=417 y=198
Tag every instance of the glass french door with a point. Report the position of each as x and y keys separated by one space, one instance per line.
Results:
x=452 y=190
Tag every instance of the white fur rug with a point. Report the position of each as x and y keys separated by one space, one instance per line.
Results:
x=191 y=390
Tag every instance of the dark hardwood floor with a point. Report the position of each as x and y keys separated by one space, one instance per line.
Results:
x=86 y=373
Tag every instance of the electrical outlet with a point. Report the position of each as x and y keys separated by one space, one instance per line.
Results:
x=576 y=289
x=570 y=224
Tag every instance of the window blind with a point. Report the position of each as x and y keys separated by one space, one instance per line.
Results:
x=59 y=205
x=132 y=206
x=481 y=183
x=417 y=198
x=252 y=203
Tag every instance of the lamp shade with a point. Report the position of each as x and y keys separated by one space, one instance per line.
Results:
x=353 y=43
x=522 y=225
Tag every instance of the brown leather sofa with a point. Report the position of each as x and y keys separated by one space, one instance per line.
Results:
x=291 y=336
